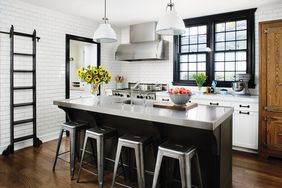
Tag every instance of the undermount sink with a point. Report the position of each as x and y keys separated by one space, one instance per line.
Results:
x=134 y=102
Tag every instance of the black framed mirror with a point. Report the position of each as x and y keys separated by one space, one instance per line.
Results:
x=80 y=51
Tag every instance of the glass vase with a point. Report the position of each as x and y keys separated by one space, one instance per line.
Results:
x=94 y=89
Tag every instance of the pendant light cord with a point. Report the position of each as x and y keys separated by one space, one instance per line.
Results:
x=105 y=13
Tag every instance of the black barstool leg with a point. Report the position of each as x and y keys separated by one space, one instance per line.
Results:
x=58 y=148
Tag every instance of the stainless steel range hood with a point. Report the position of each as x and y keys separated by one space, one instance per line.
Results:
x=144 y=44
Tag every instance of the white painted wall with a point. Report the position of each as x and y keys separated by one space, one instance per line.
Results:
x=51 y=26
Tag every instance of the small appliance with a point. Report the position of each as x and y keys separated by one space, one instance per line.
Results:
x=240 y=86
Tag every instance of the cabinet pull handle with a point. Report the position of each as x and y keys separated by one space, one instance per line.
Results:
x=244 y=106
x=214 y=104
x=247 y=113
x=165 y=99
x=279 y=134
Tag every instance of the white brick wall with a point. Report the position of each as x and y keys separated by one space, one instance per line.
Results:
x=52 y=27
x=161 y=71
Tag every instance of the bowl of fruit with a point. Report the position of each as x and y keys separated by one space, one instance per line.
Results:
x=179 y=96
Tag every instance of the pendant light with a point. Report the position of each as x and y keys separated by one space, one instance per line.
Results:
x=171 y=23
x=105 y=33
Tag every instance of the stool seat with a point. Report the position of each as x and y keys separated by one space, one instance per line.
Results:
x=175 y=148
x=74 y=124
x=135 y=139
x=101 y=131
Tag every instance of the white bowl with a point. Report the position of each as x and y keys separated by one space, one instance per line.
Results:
x=180 y=99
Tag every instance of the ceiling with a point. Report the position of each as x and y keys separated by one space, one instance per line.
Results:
x=125 y=12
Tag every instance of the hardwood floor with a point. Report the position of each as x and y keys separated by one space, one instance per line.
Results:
x=33 y=168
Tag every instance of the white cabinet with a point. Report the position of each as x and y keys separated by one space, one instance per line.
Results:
x=245 y=129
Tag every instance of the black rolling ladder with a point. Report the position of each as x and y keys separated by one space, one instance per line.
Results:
x=13 y=88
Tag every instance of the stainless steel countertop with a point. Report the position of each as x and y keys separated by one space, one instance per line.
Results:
x=201 y=117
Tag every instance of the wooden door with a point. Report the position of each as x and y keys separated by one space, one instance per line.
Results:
x=271 y=88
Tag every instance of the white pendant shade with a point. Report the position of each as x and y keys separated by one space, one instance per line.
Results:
x=171 y=24
x=105 y=34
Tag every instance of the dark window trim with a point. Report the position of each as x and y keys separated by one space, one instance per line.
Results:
x=82 y=39
x=210 y=21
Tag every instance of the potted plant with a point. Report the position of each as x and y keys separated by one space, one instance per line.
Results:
x=200 y=79
x=95 y=76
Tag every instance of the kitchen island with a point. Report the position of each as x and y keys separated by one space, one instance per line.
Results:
x=209 y=128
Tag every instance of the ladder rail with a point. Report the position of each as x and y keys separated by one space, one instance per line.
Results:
x=11 y=88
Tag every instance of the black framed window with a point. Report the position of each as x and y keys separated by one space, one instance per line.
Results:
x=192 y=56
x=219 y=45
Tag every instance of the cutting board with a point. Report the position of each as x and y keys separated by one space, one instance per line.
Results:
x=172 y=106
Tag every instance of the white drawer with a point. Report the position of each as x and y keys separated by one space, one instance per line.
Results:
x=211 y=102
x=246 y=106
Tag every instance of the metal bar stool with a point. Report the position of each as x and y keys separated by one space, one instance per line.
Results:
x=137 y=143
x=99 y=134
x=184 y=155
x=73 y=128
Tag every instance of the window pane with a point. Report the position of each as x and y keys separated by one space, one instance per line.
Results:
x=241 y=24
x=193 y=39
x=241 y=66
x=192 y=58
x=241 y=45
x=241 y=35
x=184 y=40
x=202 y=47
x=193 y=48
x=219 y=66
x=201 y=66
x=230 y=45
x=229 y=76
x=202 y=29
x=201 y=57
x=183 y=75
x=230 y=36
x=230 y=56
x=220 y=27
x=202 y=39
x=241 y=56
x=219 y=57
x=184 y=49
x=229 y=66
x=220 y=46
x=183 y=66
x=192 y=67
x=219 y=76
x=191 y=75
x=193 y=30
x=184 y=58
x=230 y=26
x=220 y=37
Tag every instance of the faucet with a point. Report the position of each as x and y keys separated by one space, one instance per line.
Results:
x=131 y=91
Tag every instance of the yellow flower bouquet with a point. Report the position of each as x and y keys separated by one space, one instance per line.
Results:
x=95 y=76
